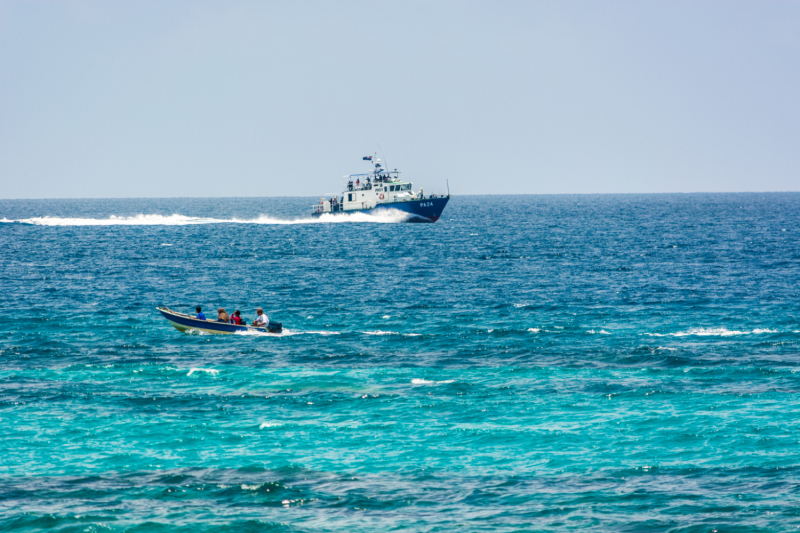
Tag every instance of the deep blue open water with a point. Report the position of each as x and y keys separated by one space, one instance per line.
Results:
x=529 y=363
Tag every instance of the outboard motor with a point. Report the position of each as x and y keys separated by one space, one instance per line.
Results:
x=274 y=327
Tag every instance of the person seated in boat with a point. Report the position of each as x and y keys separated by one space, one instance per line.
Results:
x=262 y=320
x=200 y=315
x=236 y=318
x=223 y=316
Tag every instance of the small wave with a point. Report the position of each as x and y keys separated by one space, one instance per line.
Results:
x=250 y=487
x=534 y=330
x=211 y=371
x=384 y=216
x=269 y=425
x=385 y=317
x=379 y=332
x=412 y=334
x=712 y=332
x=193 y=331
x=666 y=348
x=419 y=381
x=708 y=332
x=601 y=332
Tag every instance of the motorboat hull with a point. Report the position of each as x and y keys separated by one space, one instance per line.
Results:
x=183 y=322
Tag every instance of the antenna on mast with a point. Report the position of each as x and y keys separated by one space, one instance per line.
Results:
x=382 y=155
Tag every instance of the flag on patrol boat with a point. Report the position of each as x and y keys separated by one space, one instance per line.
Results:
x=368 y=158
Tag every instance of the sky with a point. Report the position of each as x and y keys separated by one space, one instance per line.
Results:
x=111 y=99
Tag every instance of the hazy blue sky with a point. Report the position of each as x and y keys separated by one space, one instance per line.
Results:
x=174 y=98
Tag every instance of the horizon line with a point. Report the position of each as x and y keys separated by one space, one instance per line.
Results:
x=463 y=195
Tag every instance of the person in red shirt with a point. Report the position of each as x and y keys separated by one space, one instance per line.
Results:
x=236 y=318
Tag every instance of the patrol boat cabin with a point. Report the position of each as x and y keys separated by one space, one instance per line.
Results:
x=383 y=190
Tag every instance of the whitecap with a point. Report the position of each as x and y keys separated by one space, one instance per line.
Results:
x=211 y=371
x=269 y=425
x=412 y=334
x=419 y=381
x=706 y=332
x=379 y=332
x=601 y=332
x=386 y=316
x=250 y=487
x=712 y=332
x=534 y=330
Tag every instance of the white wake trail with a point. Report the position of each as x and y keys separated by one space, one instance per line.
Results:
x=387 y=216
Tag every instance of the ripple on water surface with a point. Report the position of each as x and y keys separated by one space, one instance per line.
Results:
x=602 y=362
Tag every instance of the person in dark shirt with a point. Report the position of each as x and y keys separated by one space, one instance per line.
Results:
x=200 y=315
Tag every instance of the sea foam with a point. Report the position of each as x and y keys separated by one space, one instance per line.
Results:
x=211 y=371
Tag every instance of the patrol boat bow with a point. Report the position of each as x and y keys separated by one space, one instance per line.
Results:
x=382 y=190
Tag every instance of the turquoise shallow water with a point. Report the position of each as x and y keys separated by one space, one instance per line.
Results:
x=525 y=364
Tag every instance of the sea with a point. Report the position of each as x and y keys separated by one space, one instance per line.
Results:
x=527 y=363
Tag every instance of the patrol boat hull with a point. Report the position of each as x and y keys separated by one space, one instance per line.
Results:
x=183 y=322
x=427 y=210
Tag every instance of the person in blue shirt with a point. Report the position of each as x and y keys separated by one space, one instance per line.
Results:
x=200 y=315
